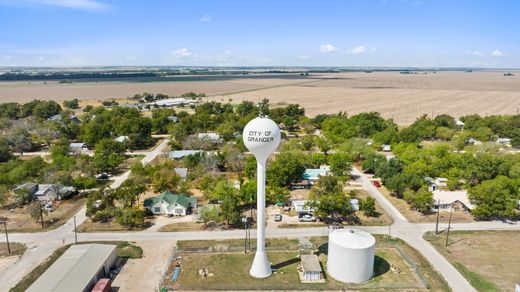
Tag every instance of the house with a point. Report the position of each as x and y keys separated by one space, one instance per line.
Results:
x=171 y=204
x=452 y=200
x=300 y=206
x=28 y=187
x=459 y=123
x=182 y=172
x=174 y=102
x=78 y=147
x=173 y=119
x=303 y=184
x=57 y=118
x=437 y=183
x=504 y=141
x=52 y=192
x=213 y=137
x=179 y=154
x=310 y=269
x=386 y=148
x=313 y=174
x=121 y=139
x=473 y=141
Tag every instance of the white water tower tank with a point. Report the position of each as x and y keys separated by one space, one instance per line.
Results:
x=351 y=255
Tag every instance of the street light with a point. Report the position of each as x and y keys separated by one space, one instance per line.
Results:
x=4 y=220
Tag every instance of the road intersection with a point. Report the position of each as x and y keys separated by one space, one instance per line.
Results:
x=41 y=245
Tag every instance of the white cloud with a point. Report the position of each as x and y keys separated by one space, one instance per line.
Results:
x=182 y=53
x=357 y=50
x=206 y=18
x=497 y=53
x=91 y=5
x=303 y=57
x=328 y=48
x=475 y=54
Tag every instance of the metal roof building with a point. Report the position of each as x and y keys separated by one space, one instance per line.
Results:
x=78 y=269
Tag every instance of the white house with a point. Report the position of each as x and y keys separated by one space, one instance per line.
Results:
x=448 y=200
x=121 y=139
x=179 y=154
x=300 y=206
x=504 y=141
x=171 y=204
x=180 y=101
x=213 y=137
x=51 y=192
x=78 y=148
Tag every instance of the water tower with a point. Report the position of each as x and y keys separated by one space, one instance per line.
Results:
x=261 y=136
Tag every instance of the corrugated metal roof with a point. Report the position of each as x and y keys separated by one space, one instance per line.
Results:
x=74 y=269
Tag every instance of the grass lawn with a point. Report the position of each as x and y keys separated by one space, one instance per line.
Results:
x=19 y=219
x=89 y=226
x=181 y=226
x=231 y=269
x=16 y=249
x=490 y=260
x=124 y=249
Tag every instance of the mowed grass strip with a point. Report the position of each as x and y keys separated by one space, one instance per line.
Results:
x=489 y=260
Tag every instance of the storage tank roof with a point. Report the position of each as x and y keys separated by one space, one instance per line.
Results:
x=352 y=238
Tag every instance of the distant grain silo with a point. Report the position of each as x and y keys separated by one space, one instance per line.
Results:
x=351 y=255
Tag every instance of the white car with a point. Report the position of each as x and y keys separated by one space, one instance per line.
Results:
x=307 y=218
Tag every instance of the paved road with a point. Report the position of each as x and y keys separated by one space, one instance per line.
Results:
x=41 y=245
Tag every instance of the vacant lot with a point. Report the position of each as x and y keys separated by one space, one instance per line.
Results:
x=19 y=219
x=231 y=269
x=490 y=260
x=399 y=96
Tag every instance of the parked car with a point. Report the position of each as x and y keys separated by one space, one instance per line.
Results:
x=287 y=208
x=278 y=217
x=376 y=184
x=307 y=218
x=103 y=176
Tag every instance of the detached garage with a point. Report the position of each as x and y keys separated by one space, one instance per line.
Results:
x=78 y=269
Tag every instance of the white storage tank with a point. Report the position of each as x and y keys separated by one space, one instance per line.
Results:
x=351 y=255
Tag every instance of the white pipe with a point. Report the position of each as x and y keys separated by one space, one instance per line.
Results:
x=261 y=267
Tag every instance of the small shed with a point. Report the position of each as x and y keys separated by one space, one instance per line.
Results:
x=311 y=268
x=181 y=171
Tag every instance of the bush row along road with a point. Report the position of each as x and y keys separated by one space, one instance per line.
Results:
x=41 y=245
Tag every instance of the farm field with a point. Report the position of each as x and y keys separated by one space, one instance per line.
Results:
x=400 y=96
x=490 y=260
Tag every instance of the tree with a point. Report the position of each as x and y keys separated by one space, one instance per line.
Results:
x=4 y=194
x=20 y=139
x=84 y=182
x=22 y=197
x=421 y=200
x=277 y=194
x=208 y=214
x=130 y=216
x=496 y=198
x=248 y=191
x=328 y=199
x=288 y=167
x=368 y=207
x=37 y=210
x=72 y=104
x=108 y=155
x=165 y=179
x=129 y=191
x=5 y=152
x=230 y=207
x=340 y=164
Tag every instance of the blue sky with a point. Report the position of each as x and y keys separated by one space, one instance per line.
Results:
x=419 y=33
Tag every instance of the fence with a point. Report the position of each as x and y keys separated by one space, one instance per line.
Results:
x=165 y=269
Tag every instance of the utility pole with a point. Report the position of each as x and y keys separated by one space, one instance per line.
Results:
x=449 y=226
x=6 y=236
x=75 y=231
x=437 y=223
x=41 y=215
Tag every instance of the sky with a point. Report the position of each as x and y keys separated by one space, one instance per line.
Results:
x=367 y=33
